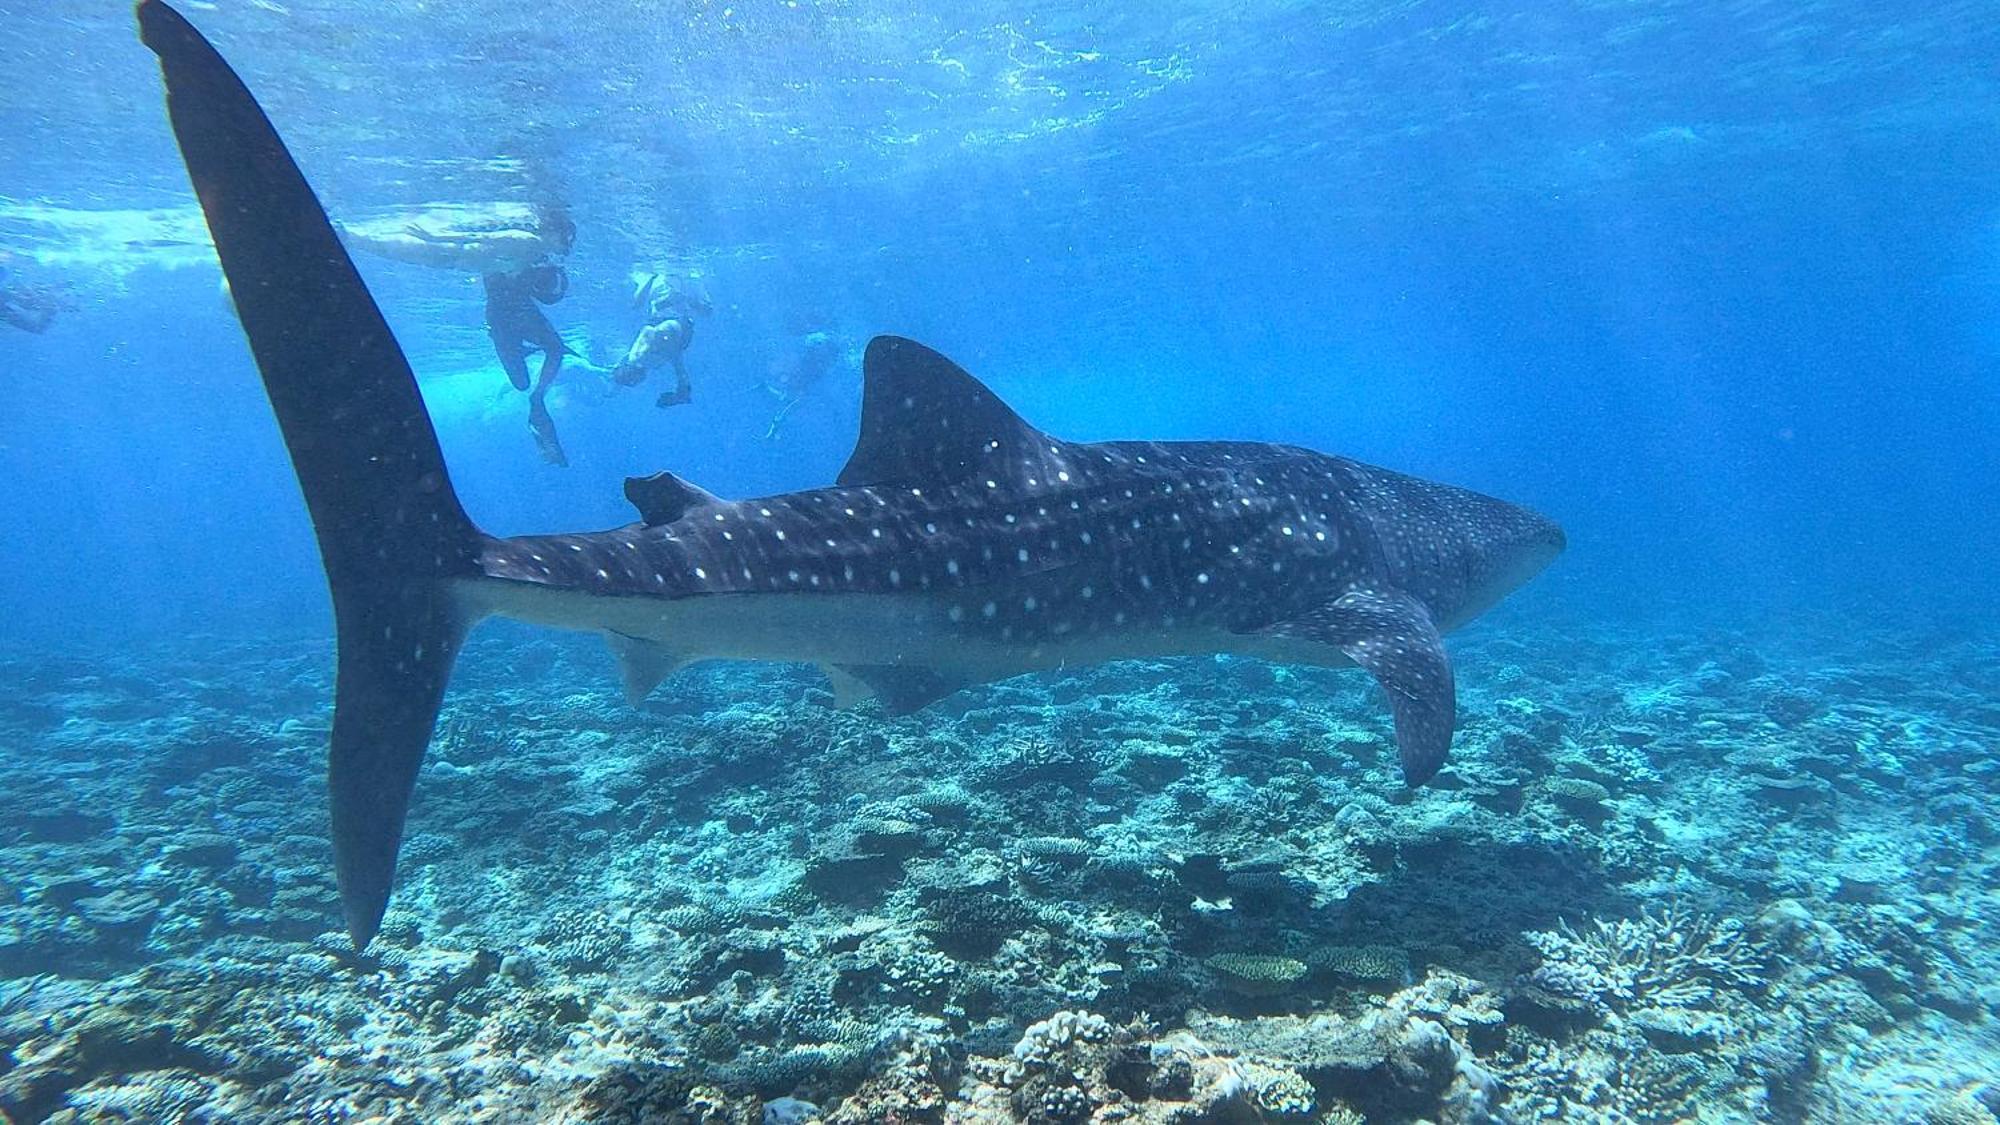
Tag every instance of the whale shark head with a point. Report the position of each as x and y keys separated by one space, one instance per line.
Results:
x=1505 y=549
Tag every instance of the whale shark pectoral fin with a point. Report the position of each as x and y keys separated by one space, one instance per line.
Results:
x=1392 y=636
x=664 y=497
x=849 y=690
x=902 y=689
x=642 y=664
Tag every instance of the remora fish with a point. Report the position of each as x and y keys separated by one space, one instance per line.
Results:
x=959 y=545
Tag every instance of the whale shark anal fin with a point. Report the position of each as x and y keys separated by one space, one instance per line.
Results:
x=925 y=421
x=849 y=690
x=1391 y=635
x=642 y=664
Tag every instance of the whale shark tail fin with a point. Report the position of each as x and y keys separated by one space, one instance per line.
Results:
x=390 y=528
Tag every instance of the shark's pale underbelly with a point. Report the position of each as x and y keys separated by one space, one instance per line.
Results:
x=860 y=629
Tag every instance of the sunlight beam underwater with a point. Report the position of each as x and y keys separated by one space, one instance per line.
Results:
x=960 y=545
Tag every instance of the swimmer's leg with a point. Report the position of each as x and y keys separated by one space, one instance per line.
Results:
x=513 y=357
x=539 y=421
x=771 y=431
x=683 y=391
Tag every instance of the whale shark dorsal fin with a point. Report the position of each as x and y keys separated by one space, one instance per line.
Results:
x=924 y=420
x=664 y=497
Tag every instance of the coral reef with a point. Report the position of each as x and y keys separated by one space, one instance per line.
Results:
x=1664 y=959
x=1257 y=974
x=1668 y=876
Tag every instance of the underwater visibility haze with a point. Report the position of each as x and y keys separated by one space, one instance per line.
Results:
x=981 y=739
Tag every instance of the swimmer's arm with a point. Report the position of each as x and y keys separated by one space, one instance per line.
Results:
x=472 y=252
x=412 y=244
x=488 y=250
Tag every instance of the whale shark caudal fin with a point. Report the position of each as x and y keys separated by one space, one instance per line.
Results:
x=1393 y=637
x=389 y=525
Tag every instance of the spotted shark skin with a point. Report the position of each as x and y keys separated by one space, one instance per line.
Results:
x=959 y=545
x=1005 y=550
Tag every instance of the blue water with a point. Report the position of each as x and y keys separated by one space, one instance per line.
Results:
x=1714 y=285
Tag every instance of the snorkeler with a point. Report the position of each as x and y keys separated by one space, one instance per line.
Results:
x=811 y=356
x=519 y=270
x=27 y=307
x=516 y=327
x=664 y=339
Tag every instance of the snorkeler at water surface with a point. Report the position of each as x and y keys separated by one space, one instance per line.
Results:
x=30 y=308
x=499 y=243
x=520 y=269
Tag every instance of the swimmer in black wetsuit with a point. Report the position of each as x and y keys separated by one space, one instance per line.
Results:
x=516 y=327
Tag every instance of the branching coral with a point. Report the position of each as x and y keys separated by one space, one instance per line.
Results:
x=1277 y=1090
x=1673 y=958
x=583 y=938
x=1386 y=963
x=1026 y=762
x=973 y=924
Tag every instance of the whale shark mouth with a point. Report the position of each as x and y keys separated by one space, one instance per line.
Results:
x=958 y=545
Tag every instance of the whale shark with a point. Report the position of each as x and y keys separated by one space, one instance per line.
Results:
x=959 y=545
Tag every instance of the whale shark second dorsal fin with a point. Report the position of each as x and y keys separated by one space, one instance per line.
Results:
x=924 y=420
x=664 y=497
